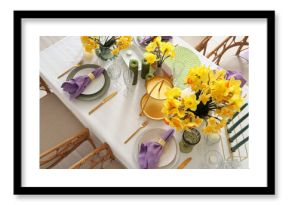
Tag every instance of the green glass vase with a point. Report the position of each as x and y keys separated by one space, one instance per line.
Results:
x=189 y=139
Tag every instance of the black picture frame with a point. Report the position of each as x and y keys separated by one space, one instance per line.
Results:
x=268 y=190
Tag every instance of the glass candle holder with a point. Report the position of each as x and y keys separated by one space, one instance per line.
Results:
x=189 y=140
x=212 y=139
x=213 y=160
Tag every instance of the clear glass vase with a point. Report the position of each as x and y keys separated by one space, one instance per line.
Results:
x=105 y=53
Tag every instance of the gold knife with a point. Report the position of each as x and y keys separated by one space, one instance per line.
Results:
x=184 y=163
x=103 y=102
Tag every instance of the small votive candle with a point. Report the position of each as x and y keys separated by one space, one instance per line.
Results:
x=212 y=139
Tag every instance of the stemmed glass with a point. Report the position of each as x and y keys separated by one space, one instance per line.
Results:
x=114 y=72
x=128 y=76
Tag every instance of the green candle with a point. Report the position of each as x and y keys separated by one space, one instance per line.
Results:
x=133 y=65
x=145 y=69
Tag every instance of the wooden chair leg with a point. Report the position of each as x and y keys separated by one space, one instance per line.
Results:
x=43 y=86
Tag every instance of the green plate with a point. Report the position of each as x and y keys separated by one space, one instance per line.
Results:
x=99 y=93
x=188 y=58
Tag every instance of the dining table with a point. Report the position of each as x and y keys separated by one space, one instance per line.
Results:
x=118 y=118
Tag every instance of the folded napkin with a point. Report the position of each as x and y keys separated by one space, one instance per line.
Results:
x=77 y=85
x=147 y=39
x=150 y=152
x=236 y=75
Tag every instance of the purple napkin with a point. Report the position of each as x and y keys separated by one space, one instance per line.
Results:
x=150 y=152
x=77 y=85
x=237 y=75
x=147 y=39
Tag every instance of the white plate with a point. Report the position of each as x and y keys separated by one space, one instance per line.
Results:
x=170 y=153
x=93 y=86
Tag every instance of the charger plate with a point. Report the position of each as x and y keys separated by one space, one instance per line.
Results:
x=153 y=107
x=97 y=88
x=170 y=154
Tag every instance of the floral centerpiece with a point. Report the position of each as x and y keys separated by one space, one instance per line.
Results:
x=157 y=52
x=211 y=97
x=106 y=47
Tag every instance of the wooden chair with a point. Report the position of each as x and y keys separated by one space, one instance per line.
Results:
x=202 y=46
x=228 y=43
x=54 y=155
x=58 y=149
x=59 y=155
x=43 y=86
x=97 y=157
x=198 y=42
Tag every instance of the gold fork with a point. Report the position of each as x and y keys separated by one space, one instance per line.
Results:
x=144 y=124
x=68 y=70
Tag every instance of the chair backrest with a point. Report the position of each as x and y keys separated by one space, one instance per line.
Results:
x=97 y=157
x=51 y=157
x=228 y=43
x=202 y=46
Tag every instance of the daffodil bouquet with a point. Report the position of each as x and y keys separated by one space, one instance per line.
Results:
x=210 y=97
x=106 y=46
x=158 y=51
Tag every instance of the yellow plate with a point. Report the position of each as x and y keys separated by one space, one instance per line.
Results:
x=152 y=108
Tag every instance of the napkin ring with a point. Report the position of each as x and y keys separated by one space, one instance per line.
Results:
x=162 y=142
x=91 y=76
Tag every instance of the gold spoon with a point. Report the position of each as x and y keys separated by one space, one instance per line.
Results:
x=144 y=124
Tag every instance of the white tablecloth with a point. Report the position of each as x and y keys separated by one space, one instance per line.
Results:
x=118 y=118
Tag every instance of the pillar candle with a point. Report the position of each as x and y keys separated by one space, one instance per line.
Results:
x=145 y=69
x=133 y=65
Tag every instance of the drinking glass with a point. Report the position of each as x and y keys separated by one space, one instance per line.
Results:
x=189 y=139
x=213 y=160
x=128 y=76
x=114 y=72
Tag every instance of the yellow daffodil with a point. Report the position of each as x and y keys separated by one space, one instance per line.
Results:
x=212 y=126
x=217 y=96
x=151 y=47
x=177 y=123
x=167 y=48
x=84 y=39
x=173 y=92
x=124 y=42
x=190 y=102
x=88 y=43
x=204 y=98
x=115 y=51
x=171 y=106
x=192 y=121
x=157 y=40
x=150 y=58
